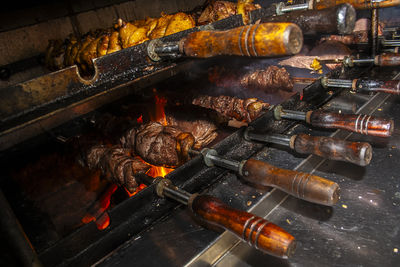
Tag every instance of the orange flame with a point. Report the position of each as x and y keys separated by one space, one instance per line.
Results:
x=139 y=188
x=157 y=171
x=97 y=212
x=159 y=112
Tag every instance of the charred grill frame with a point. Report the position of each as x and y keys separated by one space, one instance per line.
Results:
x=110 y=85
x=87 y=244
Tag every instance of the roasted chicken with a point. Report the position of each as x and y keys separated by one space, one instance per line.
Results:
x=218 y=10
x=81 y=51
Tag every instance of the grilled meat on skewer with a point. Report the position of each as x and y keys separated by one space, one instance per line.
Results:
x=270 y=79
x=326 y=50
x=232 y=107
x=201 y=127
x=117 y=164
x=159 y=145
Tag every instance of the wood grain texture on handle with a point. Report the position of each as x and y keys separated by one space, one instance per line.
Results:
x=387 y=59
x=357 y=4
x=359 y=153
x=259 y=40
x=254 y=230
x=389 y=87
x=358 y=123
x=299 y=184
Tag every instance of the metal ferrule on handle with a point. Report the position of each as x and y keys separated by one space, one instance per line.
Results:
x=156 y=50
x=361 y=61
x=280 y=113
x=212 y=158
x=165 y=188
x=279 y=139
x=338 y=83
x=281 y=8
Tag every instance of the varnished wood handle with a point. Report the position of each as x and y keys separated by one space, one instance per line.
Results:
x=339 y=19
x=252 y=229
x=358 y=4
x=387 y=59
x=302 y=185
x=259 y=40
x=359 y=153
x=389 y=87
x=363 y=124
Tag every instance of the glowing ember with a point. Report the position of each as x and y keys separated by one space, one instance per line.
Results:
x=140 y=119
x=97 y=212
x=103 y=222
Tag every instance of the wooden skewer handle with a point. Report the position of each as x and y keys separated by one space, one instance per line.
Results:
x=358 y=4
x=359 y=153
x=363 y=124
x=387 y=59
x=389 y=87
x=252 y=229
x=259 y=40
x=340 y=19
x=302 y=185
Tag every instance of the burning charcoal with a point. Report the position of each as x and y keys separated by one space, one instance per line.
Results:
x=232 y=107
x=270 y=79
x=117 y=164
x=161 y=145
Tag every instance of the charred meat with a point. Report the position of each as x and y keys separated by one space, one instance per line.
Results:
x=203 y=129
x=160 y=145
x=325 y=50
x=232 y=107
x=117 y=164
x=270 y=79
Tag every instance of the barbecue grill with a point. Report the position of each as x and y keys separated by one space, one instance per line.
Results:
x=58 y=212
